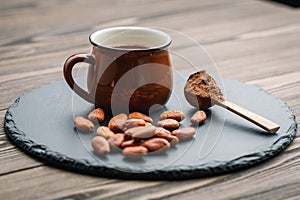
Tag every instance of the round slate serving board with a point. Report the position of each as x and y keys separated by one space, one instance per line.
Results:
x=41 y=123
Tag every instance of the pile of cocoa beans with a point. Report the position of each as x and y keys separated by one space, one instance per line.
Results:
x=135 y=133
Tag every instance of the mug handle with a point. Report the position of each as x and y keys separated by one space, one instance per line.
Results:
x=67 y=69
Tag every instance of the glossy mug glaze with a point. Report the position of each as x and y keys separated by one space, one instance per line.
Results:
x=129 y=69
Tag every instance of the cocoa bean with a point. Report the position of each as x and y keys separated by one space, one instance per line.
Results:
x=130 y=143
x=100 y=145
x=184 y=133
x=138 y=115
x=96 y=115
x=173 y=140
x=135 y=151
x=105 y=132
x=163 y=133
x=148 y=124
x=141 y=131
x=172 y=114
x=130 y=123
x=83 y=125
x=156 y=144
x=117 y=122
x=116 y=140
x=169 y=124
x=198 y=117
x=161 y=130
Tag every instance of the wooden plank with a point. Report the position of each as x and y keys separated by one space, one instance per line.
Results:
x=68 y=14
x=187 y=12
x=257 y=58
x=59 y=45
x=273 y=82
x=49 y=183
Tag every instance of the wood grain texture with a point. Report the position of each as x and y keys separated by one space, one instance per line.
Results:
x=256 y=42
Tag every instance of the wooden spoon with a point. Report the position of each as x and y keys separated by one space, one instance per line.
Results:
x=202 y=91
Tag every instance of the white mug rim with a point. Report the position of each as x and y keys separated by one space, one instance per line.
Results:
x=167 y=39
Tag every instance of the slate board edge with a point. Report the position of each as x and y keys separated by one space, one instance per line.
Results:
x=56 y=159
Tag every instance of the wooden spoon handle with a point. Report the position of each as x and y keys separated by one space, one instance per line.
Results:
x=250 y=116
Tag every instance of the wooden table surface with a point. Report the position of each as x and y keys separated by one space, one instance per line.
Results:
x=257 y=42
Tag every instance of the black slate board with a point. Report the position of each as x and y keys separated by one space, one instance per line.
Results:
x=41 y=123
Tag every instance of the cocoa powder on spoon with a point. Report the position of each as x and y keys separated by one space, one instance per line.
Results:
x=202 y=92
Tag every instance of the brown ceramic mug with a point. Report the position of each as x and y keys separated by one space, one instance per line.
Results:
x=129 y=69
